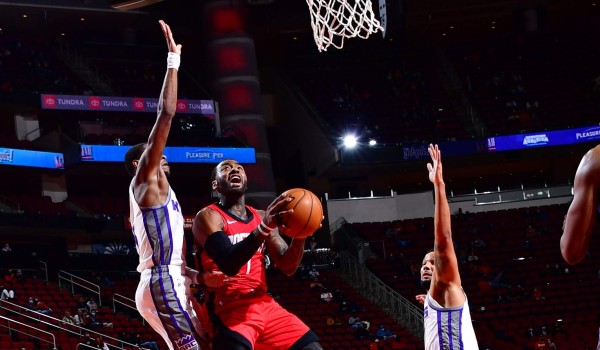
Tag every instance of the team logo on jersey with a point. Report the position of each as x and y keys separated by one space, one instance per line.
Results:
x=175 y=205
x=186 y=343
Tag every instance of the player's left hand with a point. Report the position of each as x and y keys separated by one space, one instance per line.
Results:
x=173 y=47
x=435 y=167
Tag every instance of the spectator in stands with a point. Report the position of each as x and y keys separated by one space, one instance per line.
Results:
x=581 y=216
x=68 y=319
x=163 y=296
x=440 y=276
x=96 y=322
x=80 y=317
x=81 y=304
x=326 y=296
x=136 y=339
x=10 y=276
x=313 y=273
x=31 y=304
x=356 y=323
x=42 y=307
x=384 y=333
x=362 y=333
x=7 y=293
x=6 y=248
x=91 y=304
x=100 y=344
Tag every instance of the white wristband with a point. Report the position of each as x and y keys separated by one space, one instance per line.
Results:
x=263 y=231
x=173 y=60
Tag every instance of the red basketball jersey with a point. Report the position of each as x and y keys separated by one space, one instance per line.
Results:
x=251 y=277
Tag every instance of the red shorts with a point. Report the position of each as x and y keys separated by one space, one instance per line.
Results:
x=261 y=321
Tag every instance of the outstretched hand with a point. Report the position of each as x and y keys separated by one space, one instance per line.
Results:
x=274 y=211
x=173 y=47
x=435 y=169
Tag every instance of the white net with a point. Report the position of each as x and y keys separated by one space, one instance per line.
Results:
x=334 y=20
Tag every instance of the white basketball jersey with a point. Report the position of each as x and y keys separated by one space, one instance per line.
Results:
x=448 y=328
x=158 y=232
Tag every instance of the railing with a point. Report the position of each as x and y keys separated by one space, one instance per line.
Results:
x=125 y=301
x=78 y=281
x=337 y=224
x=11 y=329
x=57 y=324
x=44 y=268
x=390 y=301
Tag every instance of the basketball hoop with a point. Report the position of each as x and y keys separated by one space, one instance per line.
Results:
x=334 y=20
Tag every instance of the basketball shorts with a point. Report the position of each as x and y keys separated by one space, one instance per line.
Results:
x=164 y=302
x=260 y=322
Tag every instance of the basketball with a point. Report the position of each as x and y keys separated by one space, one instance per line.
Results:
x=307 y=215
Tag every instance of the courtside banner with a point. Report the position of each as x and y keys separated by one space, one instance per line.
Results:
x=122 y=104
x=108 y=153
x=543 y=139
x=35 y=159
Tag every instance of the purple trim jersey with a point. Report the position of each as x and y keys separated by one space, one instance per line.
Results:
x=448 y=328
x=158 y=233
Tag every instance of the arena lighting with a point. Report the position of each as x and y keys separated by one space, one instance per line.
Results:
x=350 y=141
x=372 y=142
x=126 y=5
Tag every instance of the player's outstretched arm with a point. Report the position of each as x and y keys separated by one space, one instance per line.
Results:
x=446 y=287
x=167 y=105
x=581 y=216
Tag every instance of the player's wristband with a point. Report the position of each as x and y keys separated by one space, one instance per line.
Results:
x=263 y=232
x=173 y=60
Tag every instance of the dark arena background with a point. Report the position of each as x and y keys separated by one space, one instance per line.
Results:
x=510 y=90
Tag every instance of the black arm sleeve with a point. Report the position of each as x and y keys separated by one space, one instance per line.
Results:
x=230 y=257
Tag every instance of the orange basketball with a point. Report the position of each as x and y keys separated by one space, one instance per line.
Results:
x=307 y=215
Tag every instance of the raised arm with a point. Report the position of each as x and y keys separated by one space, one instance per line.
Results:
x=151 y=185
x=581 y=216
x=446 y=284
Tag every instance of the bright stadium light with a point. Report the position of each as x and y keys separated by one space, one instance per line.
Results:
x=350 y=141
x=372 y=142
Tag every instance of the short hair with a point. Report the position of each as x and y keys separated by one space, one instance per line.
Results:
x=213 y=175
x=135 y=152
x=429 y=251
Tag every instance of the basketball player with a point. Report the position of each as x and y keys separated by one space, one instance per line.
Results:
x=446 y=311
x=581 y=216
x=231 y=237
x=162 y=296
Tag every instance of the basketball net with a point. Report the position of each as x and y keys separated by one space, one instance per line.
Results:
x=334 y=20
